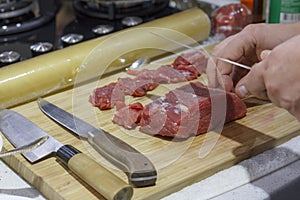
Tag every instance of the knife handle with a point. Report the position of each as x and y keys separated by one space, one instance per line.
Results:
x=139 y=169
x=103 y=181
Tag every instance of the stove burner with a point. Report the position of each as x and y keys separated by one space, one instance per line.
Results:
x=117 y=9
x=15 y=9
x=21 y=16
x=93 y=18
x=59 y=23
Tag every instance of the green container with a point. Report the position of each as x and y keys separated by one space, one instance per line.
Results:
x=284 y=11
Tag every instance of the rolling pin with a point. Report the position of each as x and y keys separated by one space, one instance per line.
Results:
x=52 y=72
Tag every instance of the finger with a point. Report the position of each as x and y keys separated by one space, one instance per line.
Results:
x=237 y=74
x=224 y=68
x=216 y=79
x=211 y=72
x=227 y=83
x=253 y=83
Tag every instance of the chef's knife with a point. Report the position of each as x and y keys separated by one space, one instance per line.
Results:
x=202 y=51
x=21 y=131
x=139 y=169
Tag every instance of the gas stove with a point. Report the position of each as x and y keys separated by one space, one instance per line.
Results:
x=30 y=28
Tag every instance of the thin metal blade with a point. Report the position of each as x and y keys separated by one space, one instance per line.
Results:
x=20 y=131
x=66 y=119
x=202 y=51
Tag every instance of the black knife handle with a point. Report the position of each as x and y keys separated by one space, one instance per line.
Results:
x=139 y=169
x=66 y=152
x=102 y=180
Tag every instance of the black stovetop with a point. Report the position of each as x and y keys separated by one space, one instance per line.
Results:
x=58 y=18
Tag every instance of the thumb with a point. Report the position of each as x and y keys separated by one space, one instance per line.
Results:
x=253 y=83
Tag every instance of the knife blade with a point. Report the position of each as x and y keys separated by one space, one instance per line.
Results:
x=202 y=51
x=139 y=169
x=21 y=131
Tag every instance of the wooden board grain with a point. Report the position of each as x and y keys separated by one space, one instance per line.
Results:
x=179 y=162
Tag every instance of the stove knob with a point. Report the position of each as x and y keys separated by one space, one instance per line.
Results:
x=41 y=48
x=71 y=38
x=102 y=29
x=9 y=57
x=132 y=21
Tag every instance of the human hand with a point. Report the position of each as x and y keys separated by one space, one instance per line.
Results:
x=276 y=77
x=246 y=47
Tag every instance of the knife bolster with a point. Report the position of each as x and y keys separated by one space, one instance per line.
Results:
x=66 y=152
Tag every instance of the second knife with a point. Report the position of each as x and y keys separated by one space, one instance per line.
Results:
x=139 y=169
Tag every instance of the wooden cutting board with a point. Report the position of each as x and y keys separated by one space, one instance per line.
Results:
x=179 y=162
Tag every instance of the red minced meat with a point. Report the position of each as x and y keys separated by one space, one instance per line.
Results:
x=182 y=113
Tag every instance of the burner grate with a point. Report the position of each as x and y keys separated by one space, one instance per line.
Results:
x=23 y=16
x=112 y=10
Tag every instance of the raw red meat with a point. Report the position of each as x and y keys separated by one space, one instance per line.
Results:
x=185 y=68
x=128 y=116
x=195 y=62
x=105 y=97
x=230 y=19
x=137 y=87
x=182 y=113
x=166 y=74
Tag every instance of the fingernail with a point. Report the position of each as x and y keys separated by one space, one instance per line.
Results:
x=264 y=54
x=243 y=91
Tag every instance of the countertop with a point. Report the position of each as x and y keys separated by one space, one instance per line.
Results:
x=273 y=174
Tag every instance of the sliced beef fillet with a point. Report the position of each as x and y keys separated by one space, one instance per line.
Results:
x=187 y=111
x=128 y=116
x=166 y=74
x=195 y=62
x=185 y=68
x=137 y=87
x=106 y=97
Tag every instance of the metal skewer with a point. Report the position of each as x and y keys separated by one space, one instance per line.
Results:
x=203 y=51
